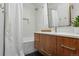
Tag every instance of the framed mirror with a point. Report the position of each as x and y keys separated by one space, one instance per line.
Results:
x=59 y=14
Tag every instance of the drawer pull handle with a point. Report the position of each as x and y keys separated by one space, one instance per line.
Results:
x=68 y=47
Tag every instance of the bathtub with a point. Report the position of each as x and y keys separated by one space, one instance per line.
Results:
x=28 y=45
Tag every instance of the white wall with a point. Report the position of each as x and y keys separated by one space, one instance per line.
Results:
x=38 y=18
x=28 y=13
x=67 y=29
x=41 y=16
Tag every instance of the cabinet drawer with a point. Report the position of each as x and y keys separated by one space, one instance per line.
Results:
x=68 y=52
x=70 y=42
x=69 y=46
x=66 y=46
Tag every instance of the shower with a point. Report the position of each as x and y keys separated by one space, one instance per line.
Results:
x=11 y=29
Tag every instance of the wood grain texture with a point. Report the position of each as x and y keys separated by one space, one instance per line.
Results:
x=57 y=45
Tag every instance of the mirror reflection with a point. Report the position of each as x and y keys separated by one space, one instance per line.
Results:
x=62 y=11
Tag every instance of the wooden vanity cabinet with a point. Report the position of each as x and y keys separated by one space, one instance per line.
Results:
x=56 y=45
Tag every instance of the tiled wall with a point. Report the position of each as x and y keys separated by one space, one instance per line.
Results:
x=69 y=29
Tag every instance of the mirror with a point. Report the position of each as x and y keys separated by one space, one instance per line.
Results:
x=58 y=14
x=74 y=10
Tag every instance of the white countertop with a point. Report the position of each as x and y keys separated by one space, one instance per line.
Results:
x=72 y=35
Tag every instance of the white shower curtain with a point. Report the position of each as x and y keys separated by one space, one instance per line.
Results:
x=13 y=37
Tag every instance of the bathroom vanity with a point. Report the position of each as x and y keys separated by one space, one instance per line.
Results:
x=63 y=42
x=57 y=44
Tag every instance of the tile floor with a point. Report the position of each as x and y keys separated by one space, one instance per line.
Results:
x=34 y=54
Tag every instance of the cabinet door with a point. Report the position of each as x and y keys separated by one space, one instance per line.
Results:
x=51 y=45
x=42 y=42
x=69 y=46
x=59 y=48
x=37 y=40
x=48 y=44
